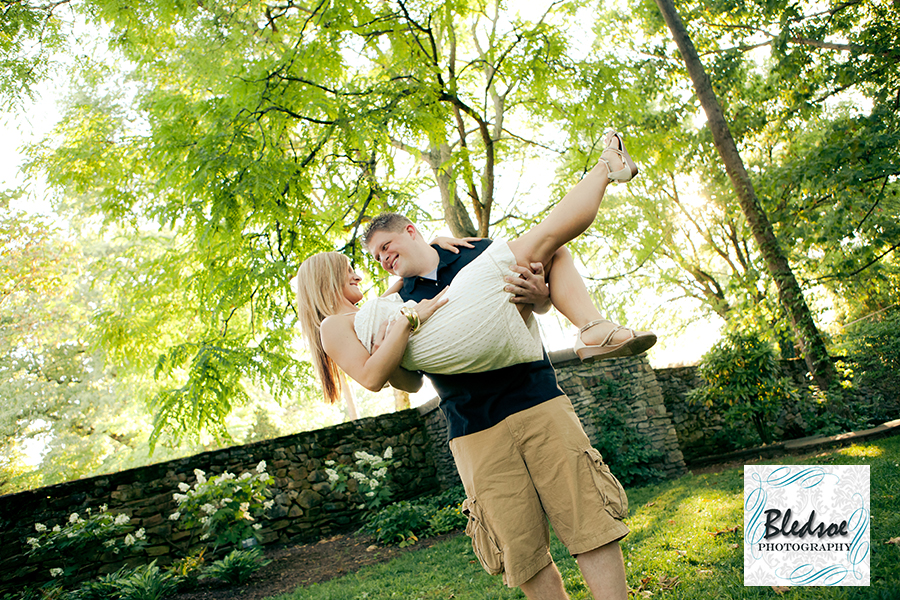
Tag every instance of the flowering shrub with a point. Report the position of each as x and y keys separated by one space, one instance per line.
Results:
x=402 y=523
x=82 y=534
x=225 y=507
x=372 y=476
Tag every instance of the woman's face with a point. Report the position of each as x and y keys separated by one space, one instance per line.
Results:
x=351 y=286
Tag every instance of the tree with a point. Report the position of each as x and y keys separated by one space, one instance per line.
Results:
x=792 y=300
x=264 y=134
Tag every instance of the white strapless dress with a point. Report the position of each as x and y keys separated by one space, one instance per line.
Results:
x=478 y=329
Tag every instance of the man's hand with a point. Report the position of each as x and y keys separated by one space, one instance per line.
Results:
x=528 y=287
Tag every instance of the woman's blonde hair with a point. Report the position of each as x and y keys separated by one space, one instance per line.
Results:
x=320 y=282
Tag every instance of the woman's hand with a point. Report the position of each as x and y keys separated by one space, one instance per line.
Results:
x=426 y=308
x=452 y=244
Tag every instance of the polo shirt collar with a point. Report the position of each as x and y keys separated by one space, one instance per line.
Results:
x=445 y=258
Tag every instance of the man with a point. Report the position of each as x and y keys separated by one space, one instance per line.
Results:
x=520 y=450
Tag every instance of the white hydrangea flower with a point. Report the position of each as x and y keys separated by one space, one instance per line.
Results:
x=205 y=536
x=109 y=543
x=184 y=487
x=121 y=519
x=380 y=472
x=74 y=518
x=358 y=476
x=389 y=453
x=369 y=494
x=204 y=521
x=330 y=463
x=257 y=526
x=102 y=508
x=179 y=498
x=175 y=516
x=129 y=540
x=140 y=534
x=261 y=467
x=245 y=507
x=245 y=475
x=268 y=504
x=57 y=529
x=373 y=483
x=40 y=527
x=33 y=542
x=200 y=475
x=208 y=508
x=227 y=501
x=56 y=572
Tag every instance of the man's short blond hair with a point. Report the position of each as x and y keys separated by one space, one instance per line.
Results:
x=389 y=221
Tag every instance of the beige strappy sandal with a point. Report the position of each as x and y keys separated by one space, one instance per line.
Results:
x=615 y=145
x=640 y=341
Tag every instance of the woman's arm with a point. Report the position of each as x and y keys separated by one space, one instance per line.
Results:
x=372 y=371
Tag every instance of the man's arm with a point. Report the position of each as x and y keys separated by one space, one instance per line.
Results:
x=408 y=381
x=528 y=287
x=394 y=289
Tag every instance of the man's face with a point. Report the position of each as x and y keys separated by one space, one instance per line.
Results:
x=397 y=252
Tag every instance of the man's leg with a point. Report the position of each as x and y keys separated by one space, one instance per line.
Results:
x=546 y=585
x=604 y=572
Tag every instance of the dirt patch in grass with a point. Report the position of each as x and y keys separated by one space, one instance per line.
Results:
x=299 y=565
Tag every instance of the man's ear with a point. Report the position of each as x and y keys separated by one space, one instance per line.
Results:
x=412 y=231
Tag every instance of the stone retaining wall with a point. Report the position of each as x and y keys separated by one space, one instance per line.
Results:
x=636 y=395
x=702 y=431
x=629 y=387
x=305 y=507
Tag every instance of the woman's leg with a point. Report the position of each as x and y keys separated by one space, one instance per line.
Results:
x=570 y=296
x=575 y=212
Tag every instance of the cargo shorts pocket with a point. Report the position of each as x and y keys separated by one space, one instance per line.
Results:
x=611 y=491
x=486 y=548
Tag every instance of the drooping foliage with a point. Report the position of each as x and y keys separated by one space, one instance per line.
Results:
x=224 y=142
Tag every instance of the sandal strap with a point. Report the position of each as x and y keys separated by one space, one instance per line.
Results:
x=612 y=332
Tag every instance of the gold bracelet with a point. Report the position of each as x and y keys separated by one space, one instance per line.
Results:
x=412 y=316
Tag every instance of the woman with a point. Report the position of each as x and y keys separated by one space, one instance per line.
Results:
x=479 y=330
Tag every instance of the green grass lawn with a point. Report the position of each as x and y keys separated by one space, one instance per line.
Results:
x=685 y=543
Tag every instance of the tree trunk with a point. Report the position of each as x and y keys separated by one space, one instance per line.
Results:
x=401 y=400
x=811 y=344
x=350 y=412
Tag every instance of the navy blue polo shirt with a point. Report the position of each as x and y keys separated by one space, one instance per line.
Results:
x=473 y=402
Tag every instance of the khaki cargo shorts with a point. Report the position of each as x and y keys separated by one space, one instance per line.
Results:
x=535 y=465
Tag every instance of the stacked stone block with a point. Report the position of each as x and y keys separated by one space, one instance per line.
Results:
x=305 y=507
x=627 y=385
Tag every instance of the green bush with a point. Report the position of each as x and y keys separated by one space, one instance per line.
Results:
x=371 y=478
x=626 y=451
x=447 y=519
x=873 y=348
x=225 y=506
x=237 y=566
x=403 y=523
x=105 y=587
x=188 y=570
x=399 y=523
x=741 y=373
x=148 y=582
